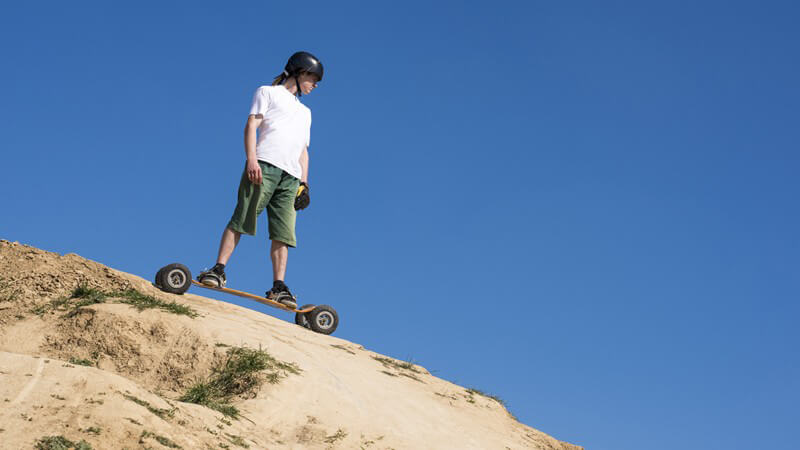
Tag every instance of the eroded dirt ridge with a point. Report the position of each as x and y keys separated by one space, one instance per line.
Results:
x=91 y=357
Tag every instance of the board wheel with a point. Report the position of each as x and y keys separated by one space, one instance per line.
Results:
x=157 y=281
x=301 y=319
x=323 y=319
x=174 y=278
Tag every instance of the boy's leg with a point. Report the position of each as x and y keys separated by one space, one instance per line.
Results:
x=229 y=241
x=252 y=199
x=282 y=216
x=216 y=275
x=279 y=253
x=281 y=213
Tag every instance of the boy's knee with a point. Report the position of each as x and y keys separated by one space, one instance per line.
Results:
x=232 y=231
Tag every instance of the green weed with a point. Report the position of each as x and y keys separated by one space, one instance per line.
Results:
x=413 y=377
x=7 y=291
x=390 y=363
x=60 y=443
x=90 y=296
x=161 y=439
x=472 y=391
x=53 y=305
x=342 y=347
x=206 y=395
x=160 y=412
x=141 y=302
x=237 y=441
x=242 y=373
x=81 y=362
x=225 y=421
x=85 y=295
x=470 y=399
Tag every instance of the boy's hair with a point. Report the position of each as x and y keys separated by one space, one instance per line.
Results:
x=280 y=78
x=283 y=77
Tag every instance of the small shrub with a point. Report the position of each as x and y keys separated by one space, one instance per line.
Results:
x=81 y=362
x=242 y=373
x=84 y=292
x=166 y=442
x=90 y=296
x=7 y=291
x=60 y=443
x=141 y=302
x=342 y=347
x=52 y=305
x=160 y=412
x=390 y=363
x=237 y=441
x=340 y=434
x=472 y=391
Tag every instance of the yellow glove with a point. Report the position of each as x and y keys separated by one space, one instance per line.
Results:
x=302 y=199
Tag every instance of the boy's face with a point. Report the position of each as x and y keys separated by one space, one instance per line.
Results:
x=308 y=81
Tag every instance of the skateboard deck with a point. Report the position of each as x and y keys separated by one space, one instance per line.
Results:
x=258 y=298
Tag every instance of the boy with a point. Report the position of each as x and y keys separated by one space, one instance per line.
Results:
x=275 y=178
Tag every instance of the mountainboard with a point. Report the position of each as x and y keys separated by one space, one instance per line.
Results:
x=176 y=278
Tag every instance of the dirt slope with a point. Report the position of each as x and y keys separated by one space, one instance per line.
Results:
x=110 y=375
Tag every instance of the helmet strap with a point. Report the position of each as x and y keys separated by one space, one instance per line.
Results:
x=297 y=83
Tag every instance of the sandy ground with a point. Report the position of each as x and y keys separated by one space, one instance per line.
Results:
x=141 y=362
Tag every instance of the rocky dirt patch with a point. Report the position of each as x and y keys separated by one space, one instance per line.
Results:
x=145 y=348
x=32 y=278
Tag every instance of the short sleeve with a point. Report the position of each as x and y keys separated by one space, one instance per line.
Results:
x=308 y=137
x=261 y=101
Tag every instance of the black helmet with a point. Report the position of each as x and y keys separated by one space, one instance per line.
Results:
x=303 y=62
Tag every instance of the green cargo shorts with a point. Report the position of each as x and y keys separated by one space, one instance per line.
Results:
x=276 y=193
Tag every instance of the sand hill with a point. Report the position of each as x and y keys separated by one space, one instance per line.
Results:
x=91 y=357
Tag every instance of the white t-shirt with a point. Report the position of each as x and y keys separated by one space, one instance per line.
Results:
x=285 y=131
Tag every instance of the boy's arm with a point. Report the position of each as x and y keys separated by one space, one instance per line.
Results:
x=304 y=165
x=302 y=198
x=253 y=169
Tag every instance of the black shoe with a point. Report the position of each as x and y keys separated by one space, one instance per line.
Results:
x=214 y=277
x=281 y=294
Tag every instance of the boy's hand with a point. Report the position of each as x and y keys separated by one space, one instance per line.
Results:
x=253 y=171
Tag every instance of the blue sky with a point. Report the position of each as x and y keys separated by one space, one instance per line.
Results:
x=588 y=209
